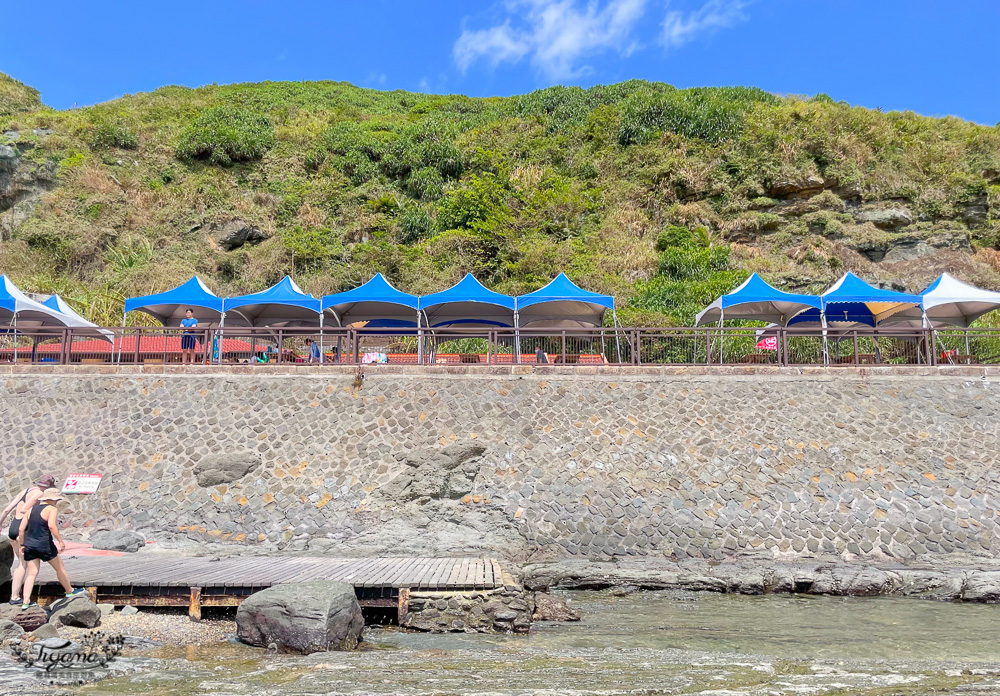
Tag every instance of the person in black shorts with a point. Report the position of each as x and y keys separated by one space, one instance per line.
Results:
x=28 y=497
x=188 y=342
x=39 y=533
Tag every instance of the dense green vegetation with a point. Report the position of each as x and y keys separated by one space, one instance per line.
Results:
x=16 y=96
x=663 y=197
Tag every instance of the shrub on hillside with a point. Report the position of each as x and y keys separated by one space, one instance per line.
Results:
x=712 y=114
x=103 y=134
x=225 y=134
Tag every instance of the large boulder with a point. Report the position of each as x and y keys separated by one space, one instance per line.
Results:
x=79 y=611
x=6 y=559
x=216 y=469
x=302 y=618
x=551 y=608
x=9 y=631
x=233 y=234
x=121 y=540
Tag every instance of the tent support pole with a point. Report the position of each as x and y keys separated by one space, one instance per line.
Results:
x=14 y=324
x=826 y=350
x=614 y=321
x=517 y=335
x=219 y=339
x=121 y=339
x=420 y=341
x=322 y=355
x=722 y=318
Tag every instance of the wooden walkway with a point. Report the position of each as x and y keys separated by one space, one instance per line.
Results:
x=162 y=580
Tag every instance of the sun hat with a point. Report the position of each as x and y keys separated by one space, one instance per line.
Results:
x=50 y=494
x=47 y=481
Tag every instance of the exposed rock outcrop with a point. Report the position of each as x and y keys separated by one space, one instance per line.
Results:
x=434 y=474
x=799 y=187
x=121 y=540
x=216 y=469
x=548 y=607
x=235 y=233
x=507 y=610
x=302 y=618
x=22 y=182
x=886 y=218
x=761 y=577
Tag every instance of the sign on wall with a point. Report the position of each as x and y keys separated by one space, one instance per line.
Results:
x=82 y=483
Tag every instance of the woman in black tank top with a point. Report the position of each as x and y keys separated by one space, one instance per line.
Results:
x=18 y=506
x=39 y=534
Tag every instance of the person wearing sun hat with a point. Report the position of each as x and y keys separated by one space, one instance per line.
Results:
x=19 y=505
x=39 y=533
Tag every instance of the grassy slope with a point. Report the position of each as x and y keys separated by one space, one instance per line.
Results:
x=657 y=195
x=16 y=97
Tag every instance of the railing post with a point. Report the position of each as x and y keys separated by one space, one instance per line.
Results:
x=784 y=346
x=138 y=339
x=67 y=339
x=564 y=347
x=281 y=345
x=636 y=341
x=857 y=357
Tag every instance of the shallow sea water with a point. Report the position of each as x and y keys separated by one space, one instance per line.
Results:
x=644 y=643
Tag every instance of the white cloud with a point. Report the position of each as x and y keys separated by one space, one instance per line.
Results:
x=556 y=34
x=679 y=28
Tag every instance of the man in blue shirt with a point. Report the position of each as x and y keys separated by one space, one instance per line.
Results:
x=188 y=342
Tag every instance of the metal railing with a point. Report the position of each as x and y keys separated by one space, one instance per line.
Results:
x=606 y=346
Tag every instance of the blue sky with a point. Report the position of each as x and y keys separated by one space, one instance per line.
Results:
x=934 y=57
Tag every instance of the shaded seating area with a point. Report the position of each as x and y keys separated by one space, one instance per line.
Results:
x=856 y=323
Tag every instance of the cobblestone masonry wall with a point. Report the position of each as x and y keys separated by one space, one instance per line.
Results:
x=688 y=465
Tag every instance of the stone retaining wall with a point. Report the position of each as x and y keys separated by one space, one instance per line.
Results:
x=528 y=466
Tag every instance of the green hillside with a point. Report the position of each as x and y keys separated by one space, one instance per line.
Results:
x=663 y=197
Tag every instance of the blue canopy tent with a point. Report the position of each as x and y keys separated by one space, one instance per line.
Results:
x=563 y=304
x=283 y=304
x=468 y=298
x=756 y=300
x=467 y=304
x=374 y=301
x=855 y=298
x=169 y=307
x=858 y=302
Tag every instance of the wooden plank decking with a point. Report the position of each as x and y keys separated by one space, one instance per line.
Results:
x=196 y=582
x=142 y=570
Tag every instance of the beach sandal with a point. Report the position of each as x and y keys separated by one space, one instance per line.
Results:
x=32 y=605
x=15 y=602
x=77 y=591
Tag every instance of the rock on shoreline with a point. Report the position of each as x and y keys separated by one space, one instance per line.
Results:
x=763 y=577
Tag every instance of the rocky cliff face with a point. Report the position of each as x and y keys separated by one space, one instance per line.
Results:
x=22 y=180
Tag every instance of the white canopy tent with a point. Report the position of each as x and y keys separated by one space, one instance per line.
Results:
x=950 y=301
x=24 y=314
